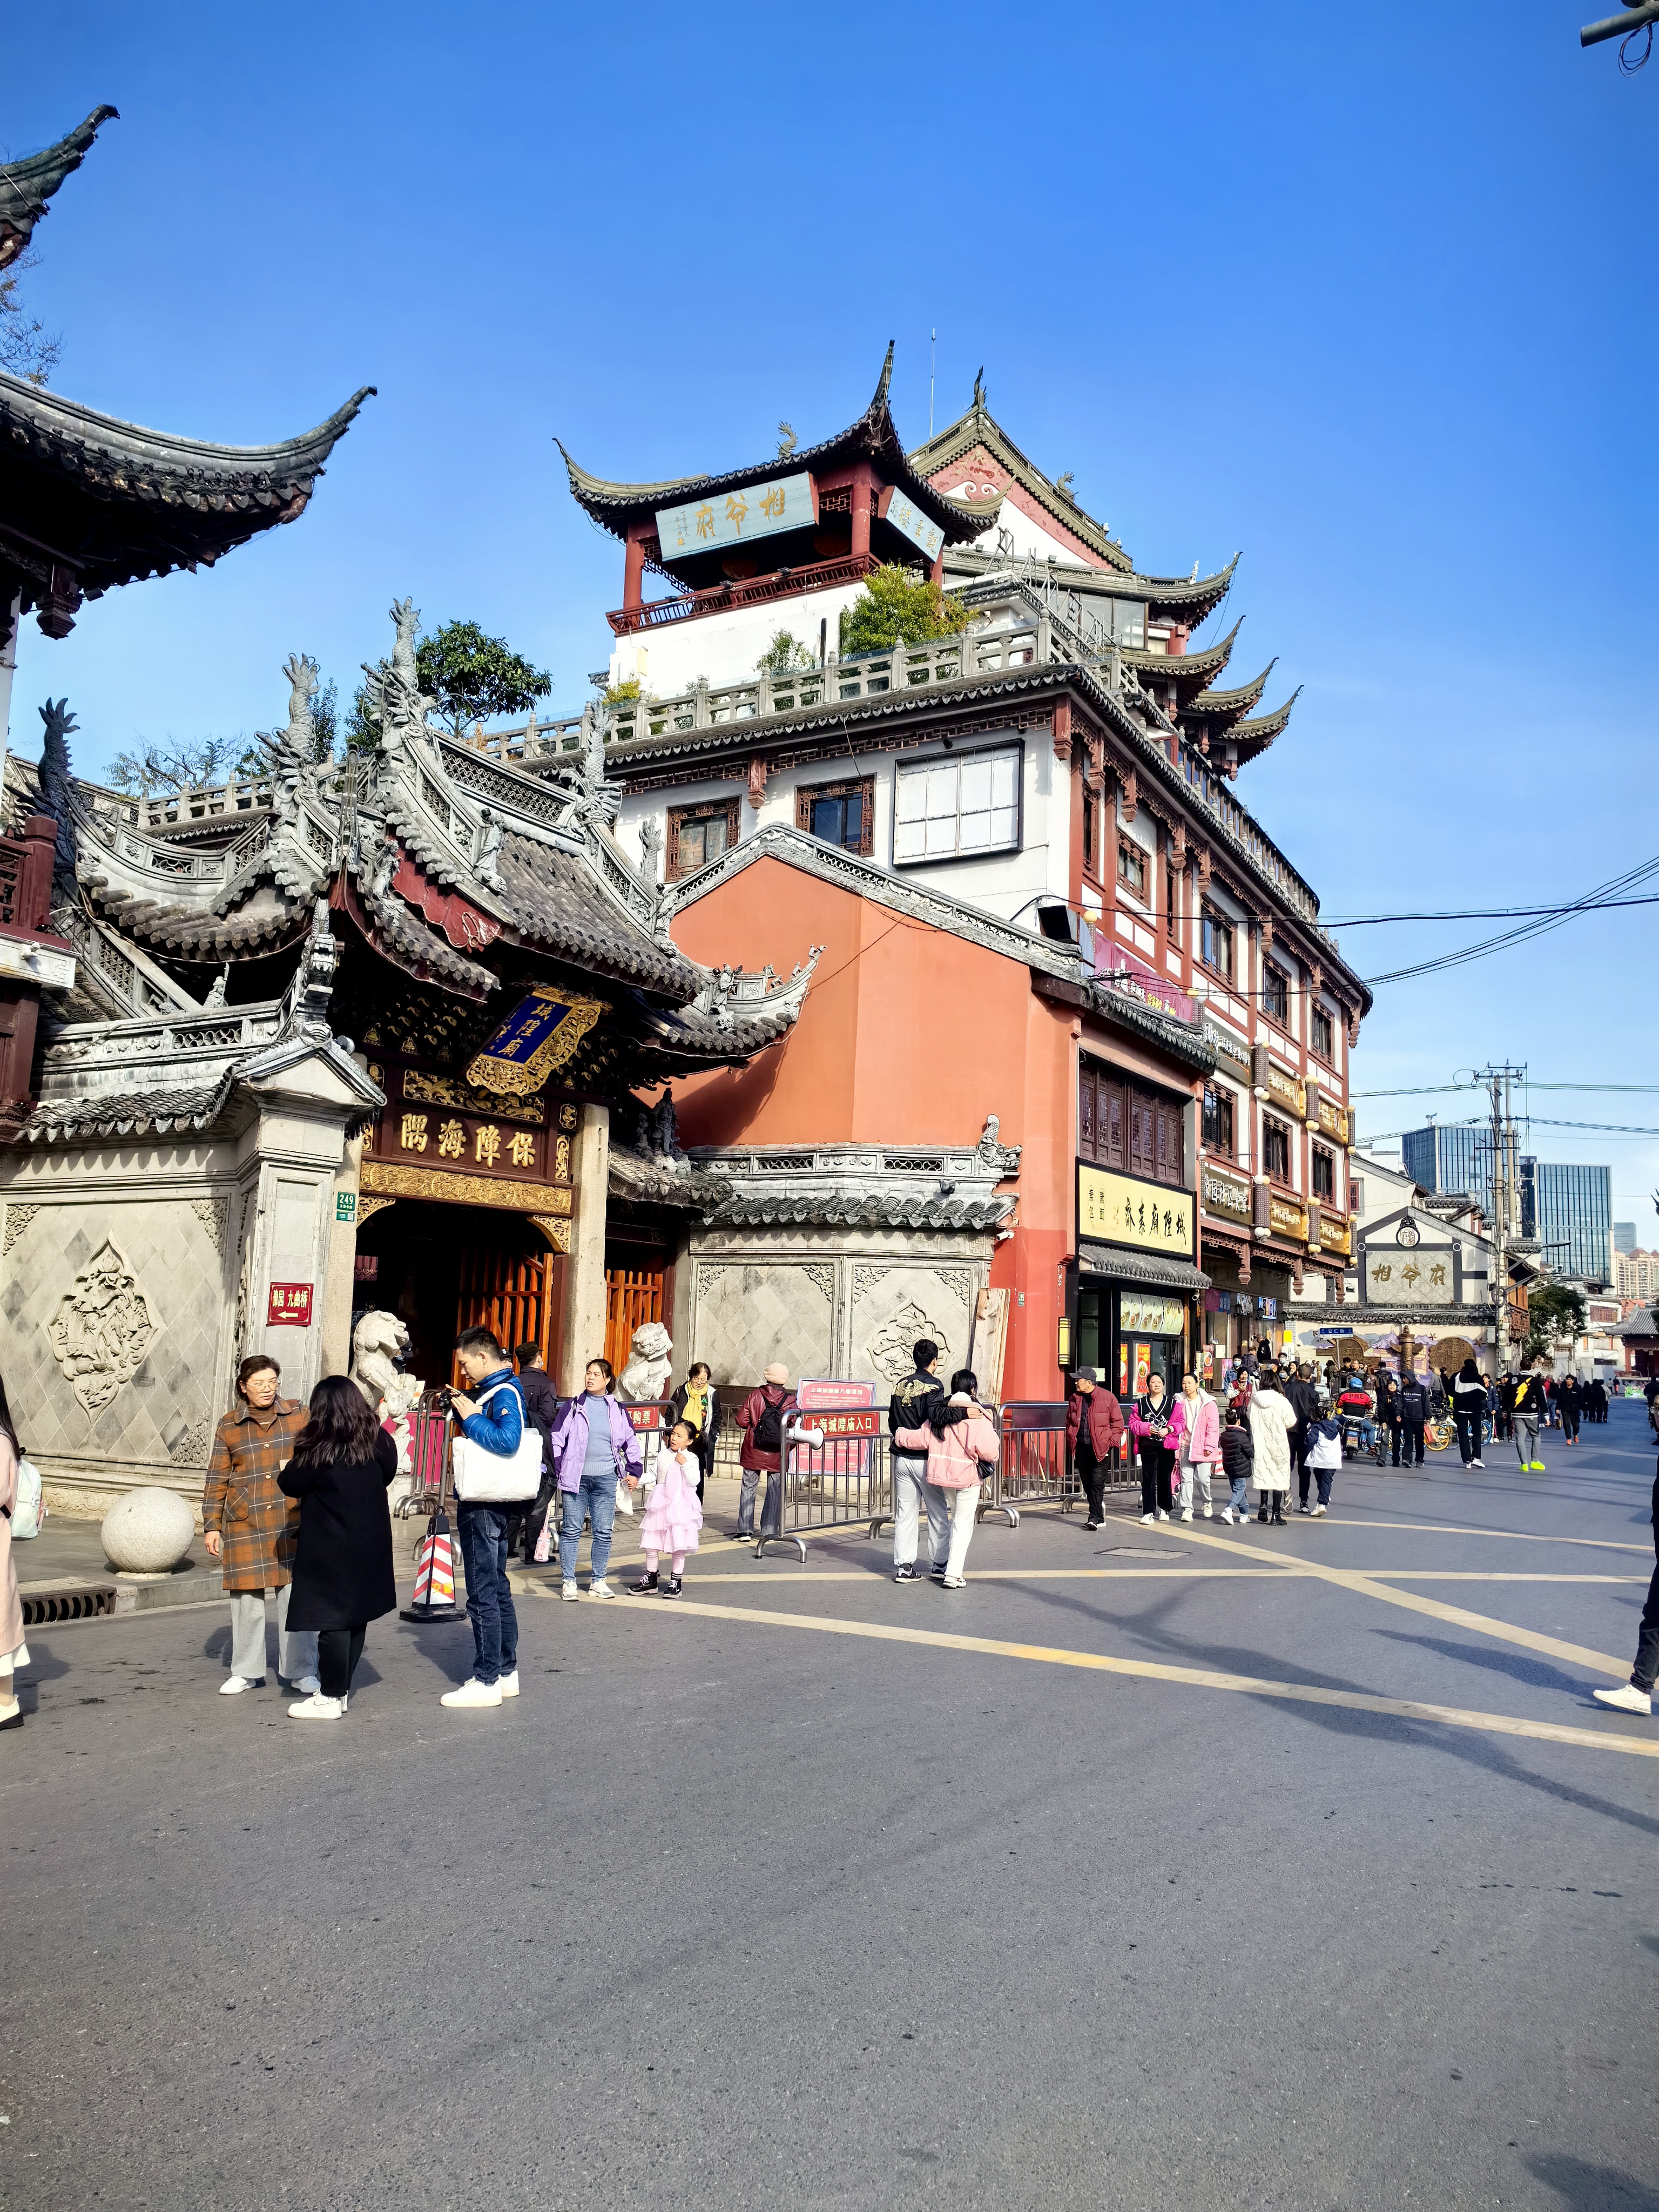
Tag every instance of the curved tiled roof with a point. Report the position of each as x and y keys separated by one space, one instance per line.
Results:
x=110 y=501
x=1221 y=709
x=978 y=427
x=1189 y=672
x=873 y=436
x=550 y=897
x=25 y=185
x=1255 y=735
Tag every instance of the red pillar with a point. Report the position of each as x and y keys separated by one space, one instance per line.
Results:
x=936 y=573
x=863 y=493
x=634 y=573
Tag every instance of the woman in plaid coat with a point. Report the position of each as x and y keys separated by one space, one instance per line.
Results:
x=248 y=1523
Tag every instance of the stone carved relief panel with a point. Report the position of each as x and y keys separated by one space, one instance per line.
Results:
x=18 y=1218
x=102 y=1329
x=895 y=1304
x=213 y=1215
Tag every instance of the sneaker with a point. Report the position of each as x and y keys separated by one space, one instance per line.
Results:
x=743 y=1536
x=508 y=1684
x=569 y=1593
x=1536 y=1466
x=1302 y=1506
x=1227 y=1515
x=936 y=1572
x=1318 y=1513
x=1478 y=1462
x=599 y=1588
x=234 y=1686
x=907 y=1573
x=1188 y=1514
x=646 y=1583
x=955 y=1581
x=672 y=1587
x=1629 y=1699
x=473 y=1692
x=1161 y=1514
x=319 y=1708
x=1209 y=1513
x=309 y=1686
x=1146 y=1520
x=1094 y=1524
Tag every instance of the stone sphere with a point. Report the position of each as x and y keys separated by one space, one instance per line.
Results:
x=148 y=1532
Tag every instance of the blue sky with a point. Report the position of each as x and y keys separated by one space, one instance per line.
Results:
x=1368 y=293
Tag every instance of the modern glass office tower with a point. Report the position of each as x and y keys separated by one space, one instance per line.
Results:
x=1569 y=1209
x=1623 y=1237
x=1449 y=1158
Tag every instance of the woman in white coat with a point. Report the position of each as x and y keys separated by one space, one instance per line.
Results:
x=1271 y=1418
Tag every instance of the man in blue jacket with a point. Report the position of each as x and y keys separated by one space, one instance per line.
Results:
x=493 y=1420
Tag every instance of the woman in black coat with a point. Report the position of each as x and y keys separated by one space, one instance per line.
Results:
x=343 y=1462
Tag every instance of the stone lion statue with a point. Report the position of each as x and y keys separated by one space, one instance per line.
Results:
x=377 y=1340
x=646 y=1374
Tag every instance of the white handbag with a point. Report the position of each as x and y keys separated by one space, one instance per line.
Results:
x=487 y=1478
x=28 y=1508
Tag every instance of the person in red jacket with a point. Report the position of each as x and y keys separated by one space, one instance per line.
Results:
x=761 y=1417
x=1094 y=1422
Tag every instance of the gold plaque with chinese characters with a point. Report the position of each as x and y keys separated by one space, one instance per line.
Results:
x=1119 y=1209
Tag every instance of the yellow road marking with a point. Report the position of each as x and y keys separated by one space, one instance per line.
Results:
x=1196 y=1678
x=1509 y=1535
x=1366 y=1586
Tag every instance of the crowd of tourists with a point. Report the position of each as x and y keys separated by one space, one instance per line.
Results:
x=295 y=1503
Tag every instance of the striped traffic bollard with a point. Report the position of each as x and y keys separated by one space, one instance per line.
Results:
x=435 y=1575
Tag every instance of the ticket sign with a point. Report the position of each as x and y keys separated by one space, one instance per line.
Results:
x=908 y=519
x=645 y=1418
x=289 y=1306
x=731 y=518
x=849 y=1417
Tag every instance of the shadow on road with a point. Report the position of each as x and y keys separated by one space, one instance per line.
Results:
x=1585 y=2188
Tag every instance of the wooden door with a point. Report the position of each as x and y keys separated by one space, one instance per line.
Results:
x=631 y=1296
x=510 y=1293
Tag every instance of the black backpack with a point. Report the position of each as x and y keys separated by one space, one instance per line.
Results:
x=769 y=1429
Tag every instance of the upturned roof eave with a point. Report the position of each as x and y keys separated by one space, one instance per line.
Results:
x=27 y=409
x=25 y=185
x=1195 y=669
x=612 y=504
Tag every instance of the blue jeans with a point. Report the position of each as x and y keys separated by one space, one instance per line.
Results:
x=1240 y=1499
x=482 y=1532
x=594 y=1498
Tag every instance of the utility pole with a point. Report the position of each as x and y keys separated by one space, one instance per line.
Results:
x=1504 y=1191
x=1624 y=27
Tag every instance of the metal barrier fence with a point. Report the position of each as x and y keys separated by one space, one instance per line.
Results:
x=1036 y=1466
x=845 y=1478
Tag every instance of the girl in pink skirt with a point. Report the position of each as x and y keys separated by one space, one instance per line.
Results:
x=673 y=1516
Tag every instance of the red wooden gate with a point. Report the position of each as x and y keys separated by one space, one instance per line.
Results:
x=631 y=1297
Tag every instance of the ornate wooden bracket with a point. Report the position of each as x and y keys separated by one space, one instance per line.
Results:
x=1204 y=867
x=1096 y=771
x=1063 y=730
x=1266 y=927
x=1177 y=847
x=1354 y=1030
x=1128 y=793
x=756 y=780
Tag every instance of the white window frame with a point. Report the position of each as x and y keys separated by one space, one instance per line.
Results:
x=930 y=763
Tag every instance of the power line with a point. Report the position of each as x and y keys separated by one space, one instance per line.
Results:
x=1478 y=913
x=1555 y=919
x=1432 y=1089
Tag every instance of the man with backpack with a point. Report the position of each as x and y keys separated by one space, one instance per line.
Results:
x=911 y=1407
x=1414 y=1405
x=1524 y=1402
x=762 y=1418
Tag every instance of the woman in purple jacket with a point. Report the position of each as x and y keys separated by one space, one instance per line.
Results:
x=594 y=1445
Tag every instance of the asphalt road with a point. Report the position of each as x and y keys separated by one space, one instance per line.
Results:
x=732 y=1911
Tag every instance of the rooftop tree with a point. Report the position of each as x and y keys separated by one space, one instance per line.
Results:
x=473 y=678
x=895 y=604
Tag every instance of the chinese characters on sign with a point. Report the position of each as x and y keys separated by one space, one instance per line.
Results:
x=539 y=1036
x=729 y=518
x=289 y=1306
x=1117 y=1209
x=485 y=1144
x=1416 y=1279
x=907 y=517
x=1226 y=1195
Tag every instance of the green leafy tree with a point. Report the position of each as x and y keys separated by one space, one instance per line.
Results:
x=895 y=604
x=784 y=655
x=473 y=678
x=614 y=694
x=361 y=732
x=26 y=348
x=1556 y=1313
x=170 y=766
